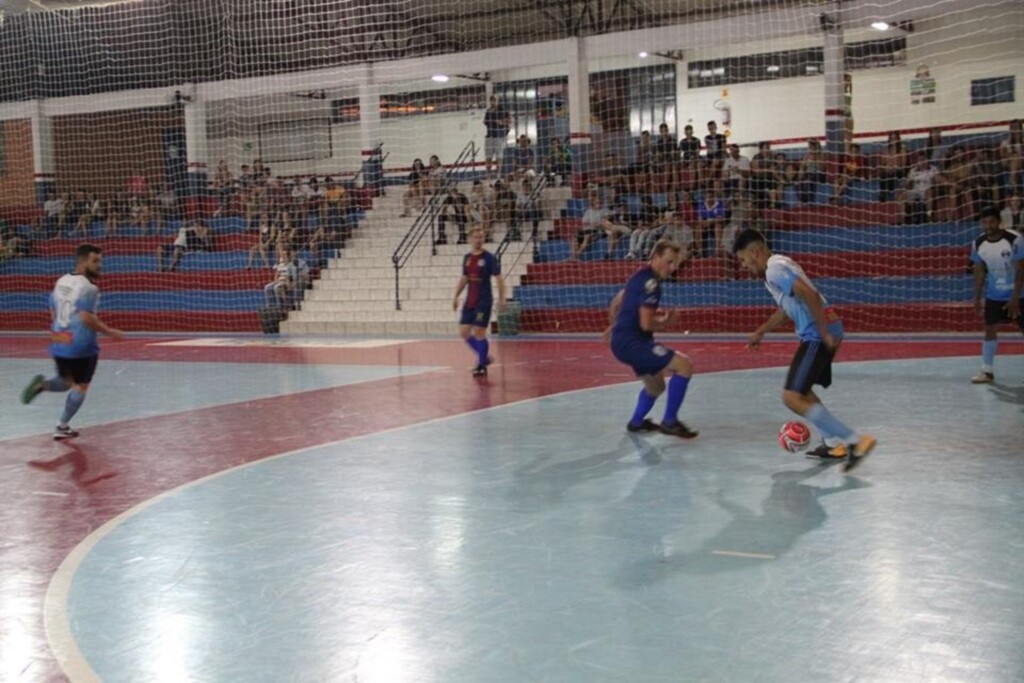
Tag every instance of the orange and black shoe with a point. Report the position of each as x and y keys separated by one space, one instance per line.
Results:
x=825 y=453
x=859 y=451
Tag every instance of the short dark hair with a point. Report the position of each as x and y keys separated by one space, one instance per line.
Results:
x=746 y=238
x=664 y=245
x=713 y=123
x=83 y=251
x=989 y=212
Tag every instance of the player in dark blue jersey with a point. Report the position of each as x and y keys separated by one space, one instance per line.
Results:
x=998 y=258
x=478 y=267
x=635 y=317
x=820 y=331
x=73 y=305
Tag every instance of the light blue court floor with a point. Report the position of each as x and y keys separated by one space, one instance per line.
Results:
x=538 y=542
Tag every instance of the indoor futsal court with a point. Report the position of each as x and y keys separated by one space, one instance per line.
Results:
x=511 y=341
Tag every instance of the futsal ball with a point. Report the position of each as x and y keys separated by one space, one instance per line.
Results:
x=794 y=436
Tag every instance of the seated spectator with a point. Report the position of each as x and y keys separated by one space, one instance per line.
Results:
x=504 y=203
x=526 y=210
x=117 y=212
x=987 y=170
x=649 y=218
x=266 y=241
x=291 y=277
x=480 y=209
x=192 y=236
x=736 y=170
x=596 y=220
x=740 y=215
x=786 y=173
x=223 y=187
x=812 y=173
x=165 y=207
x=917 y=199
x=436 y=175
x=852 y=167
x=53 y=215
x=138 y=186
x=417 y=189
x=1011 y=152
x=610 y=180
x=339 y=208
x=315 y=204
x=933 y=149
x=673 y=226
x=93 y=211
x=454 y=209
x=762 y=178
x=324 y=243
x=711 y=215
x=75 y=210
x=1012 y=215
x=11 y=244
x=138 y=214
x=892 y=167
x=524 y=161
x=558 y=162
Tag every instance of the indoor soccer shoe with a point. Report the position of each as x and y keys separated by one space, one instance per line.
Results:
x=480 y=371
x=859 y=451
x=826 y=452
x=34 y=388
x=983 y=378
x=678 y=429
x=648 y=425
x=61 y=433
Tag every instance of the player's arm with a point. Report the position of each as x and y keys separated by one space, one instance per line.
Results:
x=777 y=318
x=979 y=286
x=613 y=313
x=91 y=321
x=812 y=299
x=652 y=320
x=1013 y=306
x=463 y=281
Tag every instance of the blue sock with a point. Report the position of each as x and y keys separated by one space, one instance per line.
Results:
x=988 y=353
x=473 y=343
x=73 y=402
x=827 y=423
x=676 y=393
x=56 y=384
x=482 y=348
x=644 y=403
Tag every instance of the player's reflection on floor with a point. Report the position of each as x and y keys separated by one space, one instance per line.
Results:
x=76 y=458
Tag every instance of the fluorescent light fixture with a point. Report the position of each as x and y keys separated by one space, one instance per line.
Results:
x=774 y=69
x=719 y=70
x=880 y=26
x=439 y=78
x=642 y=55
x=812 y=68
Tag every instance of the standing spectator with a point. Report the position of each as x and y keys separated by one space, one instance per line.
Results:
x=689 y=150
x=192 y=236
x=558 y=162
x=640 y=173
x=454 y=209
x=917 y=200
x=665 y=160
x=610 y=180
x=416 y=188
x=737 y=221
x=498 y=123
x=1012 y=153
x=689 y=145
x=1012 y=216
x=812 y=173
x=524 y=162
x=763 y=170
x=264 y=242
x=711 y=215
x=736 y=169
x=596 y=220
x=480 y=209
x=715 y=143
x=892 y=167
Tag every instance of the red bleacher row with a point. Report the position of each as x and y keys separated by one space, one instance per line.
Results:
x=150 y=321
x=124 y=246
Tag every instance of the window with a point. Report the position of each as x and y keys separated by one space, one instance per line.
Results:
x=997 y=90
x=440 y=101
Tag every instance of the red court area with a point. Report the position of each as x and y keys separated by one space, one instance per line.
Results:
x=56 y=494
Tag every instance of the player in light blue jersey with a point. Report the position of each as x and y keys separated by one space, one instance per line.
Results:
x=73 y=345
x=998 y=258
x=820 y=331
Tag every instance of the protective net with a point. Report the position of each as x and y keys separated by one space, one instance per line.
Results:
x=246 y=165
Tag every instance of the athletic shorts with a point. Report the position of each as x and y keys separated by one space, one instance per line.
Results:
x=812 y=364
x=646 y=357
x=78 y=370
x=494 y=148
x=478 y=316
x=995 y=313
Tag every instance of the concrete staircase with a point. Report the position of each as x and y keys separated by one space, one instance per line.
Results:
x=355 y=295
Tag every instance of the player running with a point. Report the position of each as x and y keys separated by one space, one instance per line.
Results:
x=998 y=258
x=478 y=267
x=820 y=331
x=634 y=318
x=73 y=305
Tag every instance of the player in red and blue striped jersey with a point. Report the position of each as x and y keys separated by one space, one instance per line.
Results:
x=478 y=267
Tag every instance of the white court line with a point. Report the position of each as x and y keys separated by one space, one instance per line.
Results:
x=287 y=343
x=49 y=493
x=752 y=556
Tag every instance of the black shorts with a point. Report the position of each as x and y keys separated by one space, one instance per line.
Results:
x=996 y=313
x=812 y=364
x=78 y=370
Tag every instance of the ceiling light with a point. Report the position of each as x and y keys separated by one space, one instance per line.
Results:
x=774 y=69
x=439 y=78
x=642 y=55
x=880 y=26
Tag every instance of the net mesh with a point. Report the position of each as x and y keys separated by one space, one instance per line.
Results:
x=205 y=145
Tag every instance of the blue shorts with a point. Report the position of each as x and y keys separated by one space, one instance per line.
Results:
x=478 y=316
x=646 y=357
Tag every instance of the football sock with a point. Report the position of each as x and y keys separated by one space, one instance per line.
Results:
x=827 y=423
x=482 y=348
x=988 y=354
x=55 y=384
x=473 y=343
x=72 y=403
x=644 y=403
x=676 y=393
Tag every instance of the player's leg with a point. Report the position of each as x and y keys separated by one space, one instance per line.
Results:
x=678 y=371
x=77 y=373
x=825 y=451
x=466 y=331
x=654 y=386
x=994 y=314
x=39 y=384
x=483 y=345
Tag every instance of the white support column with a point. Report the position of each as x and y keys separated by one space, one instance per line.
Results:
x=578 y=71
x=836 y=112
x=369 y=130
x=196 y=149
x=44 y=161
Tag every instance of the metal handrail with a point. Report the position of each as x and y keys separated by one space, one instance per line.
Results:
x=362 y=167
x=425 y=221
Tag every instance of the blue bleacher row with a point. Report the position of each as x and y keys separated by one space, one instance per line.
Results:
x=136 y=263
x=752 y=293
x=877 y=238
x=195 y=300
